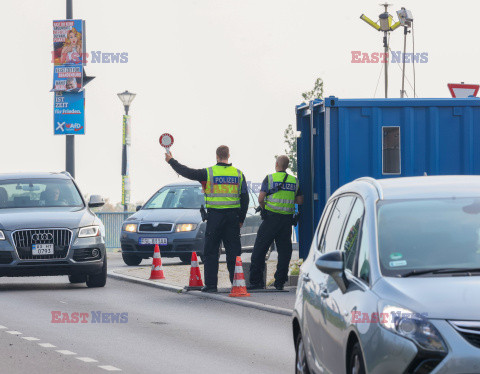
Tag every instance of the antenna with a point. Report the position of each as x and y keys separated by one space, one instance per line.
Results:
x=386 y=25
x=406 y=20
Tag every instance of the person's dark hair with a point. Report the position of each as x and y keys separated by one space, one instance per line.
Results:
x=283 y=162
x=223 y=152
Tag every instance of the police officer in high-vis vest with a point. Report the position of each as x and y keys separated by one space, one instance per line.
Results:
x=278 y=195
x=226 y=200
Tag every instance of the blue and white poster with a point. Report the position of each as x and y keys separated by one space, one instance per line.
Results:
x=69 y=113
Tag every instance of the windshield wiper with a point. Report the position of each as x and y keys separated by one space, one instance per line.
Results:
x=440 y=271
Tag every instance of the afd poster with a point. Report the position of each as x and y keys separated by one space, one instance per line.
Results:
x=69 y=55
x=69 y=113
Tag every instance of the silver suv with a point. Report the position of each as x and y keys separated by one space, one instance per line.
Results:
x=392 y=280
x=46 y=228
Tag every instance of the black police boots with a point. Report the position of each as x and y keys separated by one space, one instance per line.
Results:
x=253 y=287
x=209 y=289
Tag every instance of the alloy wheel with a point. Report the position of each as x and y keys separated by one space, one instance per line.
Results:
x=356 y=365
x=301 y=367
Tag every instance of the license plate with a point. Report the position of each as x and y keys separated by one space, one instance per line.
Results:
x=147 y=241
x=42 y=249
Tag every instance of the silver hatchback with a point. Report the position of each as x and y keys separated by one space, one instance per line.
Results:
x=392 y=280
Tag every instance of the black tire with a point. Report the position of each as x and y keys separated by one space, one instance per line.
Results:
x=186 y=259
x=355 y=362
x=100 y=279
x=131 y=259
x=301 y=364
x=77 y=278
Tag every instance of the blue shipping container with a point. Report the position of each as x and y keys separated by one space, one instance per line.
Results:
x=344 y=139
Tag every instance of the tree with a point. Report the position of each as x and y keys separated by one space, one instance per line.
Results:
x=316 y=93
x=290 y=137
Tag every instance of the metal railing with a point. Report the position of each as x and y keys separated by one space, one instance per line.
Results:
x=113 y=226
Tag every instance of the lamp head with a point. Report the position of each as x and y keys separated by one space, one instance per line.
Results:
x=126 y=98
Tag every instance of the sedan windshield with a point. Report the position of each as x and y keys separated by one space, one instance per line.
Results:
x=177 y=197
x=29 y=193
x=415 y=236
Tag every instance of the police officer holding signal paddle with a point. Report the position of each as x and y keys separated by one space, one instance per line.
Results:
x=226 y=200
x=278 y=195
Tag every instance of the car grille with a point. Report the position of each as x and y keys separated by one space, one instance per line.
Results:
x=60 y=238
x=151 y=227
x=470 y=330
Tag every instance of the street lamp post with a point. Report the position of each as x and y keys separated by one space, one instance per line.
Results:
x=70 y=139
x=126 y=98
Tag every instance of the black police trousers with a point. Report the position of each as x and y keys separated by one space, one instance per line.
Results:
x=276 y=227
x=222 y=225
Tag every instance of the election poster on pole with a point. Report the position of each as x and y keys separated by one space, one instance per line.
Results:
x=69 y=113
x=68 y=54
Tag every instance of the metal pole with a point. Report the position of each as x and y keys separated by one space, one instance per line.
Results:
x=405 y=31
x=124 y=158
x=70 y=139
x=385 y=46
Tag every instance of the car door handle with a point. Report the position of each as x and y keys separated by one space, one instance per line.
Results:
x=324 y=293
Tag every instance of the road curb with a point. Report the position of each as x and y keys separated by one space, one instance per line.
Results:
x=243 y=302
x=145 y=282
x=225 y=299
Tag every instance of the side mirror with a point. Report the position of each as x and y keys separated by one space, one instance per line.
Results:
x=332 y=263
x=138 y=208
x=96 y=201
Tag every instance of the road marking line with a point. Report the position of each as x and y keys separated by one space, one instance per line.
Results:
x=3 y=327
x=109 y=368
x=47 y=345
x=65 y=352
x=86 y=359
x=30 y=338
x=14 y=332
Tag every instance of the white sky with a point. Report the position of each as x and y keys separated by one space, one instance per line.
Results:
x=210 y=72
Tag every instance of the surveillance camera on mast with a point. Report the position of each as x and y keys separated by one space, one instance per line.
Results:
x=405 y=17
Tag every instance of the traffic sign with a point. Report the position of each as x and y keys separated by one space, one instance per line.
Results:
x=166 y=140
x=461 y=90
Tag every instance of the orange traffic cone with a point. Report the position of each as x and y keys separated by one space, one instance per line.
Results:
x=239 y=288
x=195 y=276
x=157 y=270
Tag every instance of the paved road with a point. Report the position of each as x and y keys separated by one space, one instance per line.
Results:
x=115 y=259
x=165 y=332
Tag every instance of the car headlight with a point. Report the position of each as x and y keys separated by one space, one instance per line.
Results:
x=89 y=231
x=130 y=227
x=413 y=326
x=2 y=235
x=181 y=227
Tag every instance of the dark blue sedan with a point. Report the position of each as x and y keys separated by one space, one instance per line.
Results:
x=171 y=218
